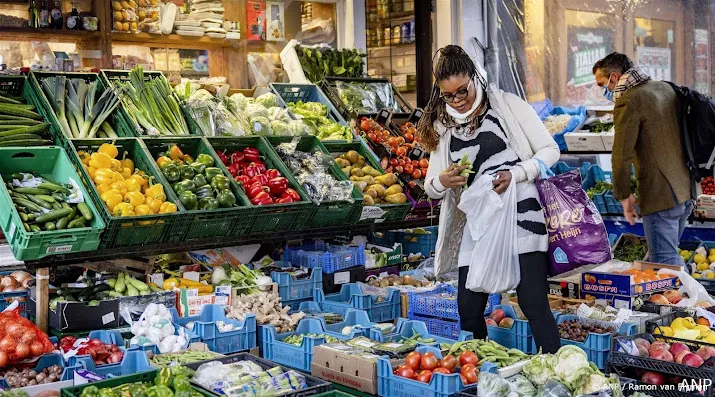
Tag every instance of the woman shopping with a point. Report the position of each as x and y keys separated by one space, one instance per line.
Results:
x=504 y=140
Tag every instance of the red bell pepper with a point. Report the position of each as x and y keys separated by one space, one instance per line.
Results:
x=223 y=157
x=262 y=179
x=251 y=171
x=255 y=189
x=236 y=157
x=293 y=194
x=272 y=173
x=284 y=200
x=262 y=198
x=234 y=169
x=242 y=179
x=278 y=185
x=251 y=154
x=261 y=166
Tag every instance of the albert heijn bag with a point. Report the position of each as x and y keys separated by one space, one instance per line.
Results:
x=577 y=235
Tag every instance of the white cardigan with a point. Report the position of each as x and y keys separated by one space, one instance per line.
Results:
x=526 y=135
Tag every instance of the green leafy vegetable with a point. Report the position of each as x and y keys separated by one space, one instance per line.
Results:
x=318 y=63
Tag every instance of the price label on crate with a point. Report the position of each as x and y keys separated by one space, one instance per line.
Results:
x=341 y=278
x=372 y=212
x=58 y=249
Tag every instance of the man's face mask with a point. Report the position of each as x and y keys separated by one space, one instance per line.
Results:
x=607 y=92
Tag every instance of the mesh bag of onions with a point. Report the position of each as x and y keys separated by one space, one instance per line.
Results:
x=20 y=339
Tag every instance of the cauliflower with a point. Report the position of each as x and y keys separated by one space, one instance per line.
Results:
x=572 y=366
x=540 y=369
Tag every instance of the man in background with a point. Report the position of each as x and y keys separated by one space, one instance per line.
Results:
x=648 y=136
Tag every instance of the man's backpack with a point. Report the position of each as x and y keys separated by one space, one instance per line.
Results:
x=697 y=126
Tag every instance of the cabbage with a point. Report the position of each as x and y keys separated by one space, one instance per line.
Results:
x=260 y=126
x=572 y=366
x=540 y=369
x=522 y=386
x=255 y=110
x=298 y=128
x=268 y=100
x=280 y=128
x=276 y=113
x=240 y=100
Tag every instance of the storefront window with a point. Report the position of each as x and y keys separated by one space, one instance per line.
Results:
x=653 y=42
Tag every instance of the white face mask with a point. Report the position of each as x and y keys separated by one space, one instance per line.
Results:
x=463 y=116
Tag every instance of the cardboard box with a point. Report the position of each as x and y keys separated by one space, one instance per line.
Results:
x=608 y=137
x=344 y=365
x=190 y=303
x=394 y=255
x=584 y=141
x=609 y=286
x=33 y=391
x=568 y=285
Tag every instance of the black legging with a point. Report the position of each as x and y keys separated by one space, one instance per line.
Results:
x=533 y=301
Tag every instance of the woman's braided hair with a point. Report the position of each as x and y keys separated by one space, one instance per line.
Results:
x=453 y=61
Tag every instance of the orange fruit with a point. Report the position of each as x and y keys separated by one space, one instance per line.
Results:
x=703 y=321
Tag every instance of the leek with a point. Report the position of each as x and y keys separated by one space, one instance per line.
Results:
x=75 y=112
x=54 y=88
x=101 y=110
x=108 y=130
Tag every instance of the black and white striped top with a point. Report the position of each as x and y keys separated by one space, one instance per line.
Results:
x=489 y=151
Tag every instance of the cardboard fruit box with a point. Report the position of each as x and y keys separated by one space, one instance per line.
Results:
x=625 y=284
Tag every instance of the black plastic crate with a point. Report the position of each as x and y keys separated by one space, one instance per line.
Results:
x=665 y=320
x=315 y=385
x=333 y=282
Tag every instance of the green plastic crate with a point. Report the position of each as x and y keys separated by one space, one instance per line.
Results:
x=19 y=86
x=51 y=162
x=141 y=377
x=328 y=213
x=391 y=212
x=111 y=77
x=334 y=393
x=45 y=108
x=134 y=230
x=274 y=217
x=222 y=222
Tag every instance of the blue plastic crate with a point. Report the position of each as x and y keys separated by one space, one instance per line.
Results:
x=242 y=337
x=562 y=167
x=108 y=337
x=413 y=243
x=385 y=239
x=579 y=116
x=519 y=336
x=441 y=385
x=542 y=108
x=330 y=258
x=295 y=304
x=291 y=289
x=299 y=357
x=351 y=296
x=48 y=360
x=449 y=329
x=6 y=298
x=134 y=361
x=407 y=328
x=442 y=302
x=357 y=319
x=294 y=92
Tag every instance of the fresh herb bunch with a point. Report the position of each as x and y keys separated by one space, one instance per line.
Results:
x=630 y=250
x=320 y=62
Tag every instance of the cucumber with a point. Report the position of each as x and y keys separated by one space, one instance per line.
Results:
x=58 y=197
x=120 y=286
x=27 y=227
x=29 y=205
x=53 y=215
x=53 y=187
x=35 y=228
x=155 y=288
x=31 y=190
x=56 y=206
x=40 y=202
x=18 y=137
x=77 y=223
x=26 y=129
x=85 y=211
x=62 y=223
x=50 y=226
x=26 y=142
x=24 y=217
x=12 y=110
x=46 y=198
x=131 y=291
x=17 y=123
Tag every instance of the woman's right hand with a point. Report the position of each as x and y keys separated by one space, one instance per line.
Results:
x=451 y=179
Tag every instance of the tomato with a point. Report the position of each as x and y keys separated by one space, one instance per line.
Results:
x=465 y=381
x=399 y=169
x=405 y=372
x=415 y=163
x=401 y=162
x=468 y=358
x=401 y=151
x=403 y=128
x=378 y=139
x=417 y=173
x=409 y=124
x=393 y=162
x=441 y=370
x=409 y=137
x=371 y=136
x=429 y=361
x=365 y=125
x=401 y=140
x=449 y=362
x=424 y=376
x=470 y=372
x=412 y=130
x=413 y=360
x=385 y=134
x=409 y=168
x=424 y=163
x=392 y=141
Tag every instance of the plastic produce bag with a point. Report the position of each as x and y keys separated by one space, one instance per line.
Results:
x=491 y=219
x=696 y=291
x=357 y=99
x=554 y=388
x=577 y=235
x=522 y=386
x=492 y=385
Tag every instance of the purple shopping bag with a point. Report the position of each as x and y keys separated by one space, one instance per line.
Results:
x=577 y=235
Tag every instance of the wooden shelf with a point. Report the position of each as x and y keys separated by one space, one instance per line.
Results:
x=49 y=35
x=172 y=40
x=387 y=47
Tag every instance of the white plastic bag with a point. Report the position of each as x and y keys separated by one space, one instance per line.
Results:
x=696 y=292
x=491 y=218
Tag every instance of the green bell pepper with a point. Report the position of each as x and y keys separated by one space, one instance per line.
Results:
x=186 y=171
x=171 y=172
x=204 y=191
x=90 y=391
x=220 y=182
x=205 y=159
x=211 y=172
x=226 y=199
x=159 y=391
x=200 y=180
x=163 y=378
x=189 y=200
x=138 y=390
x=198 y=167
x=107 y=393
x=182 y=387
x=185 y=186
x=208 y=203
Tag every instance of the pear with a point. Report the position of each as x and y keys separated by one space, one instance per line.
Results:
x=394 y=189
x=357 y=172
x=342 y=163
x=379 y=189
x=367 y=170
x=397 y=198
x=352 y=156
x=368 y=200
x=348 y=171
x=387 y=179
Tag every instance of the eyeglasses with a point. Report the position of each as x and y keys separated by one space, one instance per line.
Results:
x=458 y=96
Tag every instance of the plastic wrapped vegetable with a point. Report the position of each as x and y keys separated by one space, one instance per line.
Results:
x=280 y=128
x=267 y=100
x=521 y=385
x=492 y=385
x=276 y=113
x=357 y=99
x=298 y=128
x=253 y=110
x=260 y=126
x=552 y=388
x=240 y=101
x=539 y=369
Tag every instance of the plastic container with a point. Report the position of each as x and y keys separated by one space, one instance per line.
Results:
x=328 y=86
x=6 y=298
x=414 y=243
x=330 y=258
x=579 y=116
x=519 y=336
x=405 y=329
x=441 y=385
x=108 y=337
x=241 y=338
x=19 y=86
x=205 y=224
x=352 y=296
x=384 y=212
x=440 y=302
x=449 y=329
x=592 y=175
x=357 y=319
x=315 y=385
x=134 y=230
x=327 y=212
x=709 y=284
x=142 y=376
x=51 y=162
x=542 y=108
x=292 y=289
x=191 y=337
x=134 y=361
x=299 y=357
x=47 y=360
x=274 y=217
x=293 y=92
x=332 y=282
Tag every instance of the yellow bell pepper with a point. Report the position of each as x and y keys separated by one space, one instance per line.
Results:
x=167 y=208
x=112 y=198
x=115 y=165
x=100 y=160
x=160 y=161
x=91 y=171
x=127 y=163
x=132 y=185
x=154 y=204
x=143 y=209
x=118 y=176
x=124 y=209
x=141 y=180
x=103 y=188
x=134 y=198
x=109 y=149
x=104 y=176
x=120 y=187
x=126 y=173
x=170 y=283
x=156 y=191
x=84 y=157
x=175 y=153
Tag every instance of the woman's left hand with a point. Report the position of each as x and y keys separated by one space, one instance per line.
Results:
x=501 y=183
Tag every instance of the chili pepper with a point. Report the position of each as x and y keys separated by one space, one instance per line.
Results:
x=154 y=204
x=200 y=180
x=163 y=161
x=284 y=199
x=185 y=185
x=211 y=172
x=272 y=173
x=124 y=209
x=143 y=209
x=198 y=167
x=253 y=190
x=155 y=191
x=175 y=153
x=242 y=179
x=171 y=172
x=167 y=208
x=104 y=176
x=220 y=182
x=120 y=187
x=226 y=199
x=278 y=185
x=261 y=178
x=262 y=198
x=208 y=203
x=205 y=159
x=134 y=198
x=204 y=191
x=112 y=198
x=188 y=200
x=223 y=157
x=237 y=157
x=251 y=154
x=100 y=160
x=108 y=149
x=132 y=185
x=251 y=171
x=292 y=193
x=234 y=169
x=186 y=171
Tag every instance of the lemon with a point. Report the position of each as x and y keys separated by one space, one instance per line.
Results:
x=711 y=251
x=711 y=258
x=665 y=331
x=702 y=266
x=697 y=275
x=711 y=276
x=699 y=258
